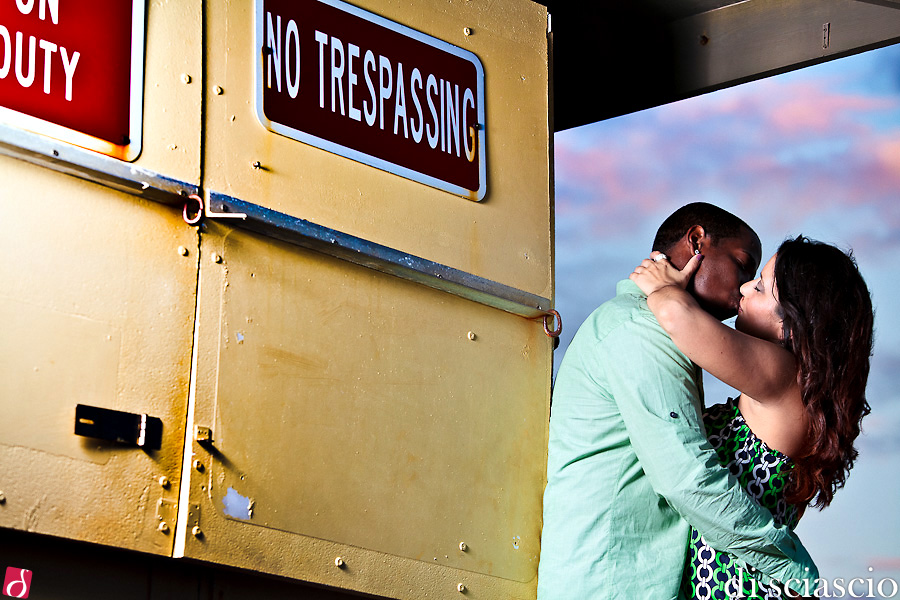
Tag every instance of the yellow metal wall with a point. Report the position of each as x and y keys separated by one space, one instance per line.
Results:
x=354 y=415
x=504 y=238
x=98 y=304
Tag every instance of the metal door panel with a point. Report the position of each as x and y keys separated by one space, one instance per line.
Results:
x=505 y=238
x=358 y=415
x=173 y=90
x=98 y=302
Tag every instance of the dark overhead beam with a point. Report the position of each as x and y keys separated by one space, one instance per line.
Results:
x=613 y=58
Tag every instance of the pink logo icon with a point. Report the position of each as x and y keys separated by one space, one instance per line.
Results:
x=17 y=583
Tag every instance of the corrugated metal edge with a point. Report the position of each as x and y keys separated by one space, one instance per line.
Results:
x=84 y=164
x=125 y=177
x=311 y=236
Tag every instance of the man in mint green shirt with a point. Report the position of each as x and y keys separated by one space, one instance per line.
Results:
x=629 y=468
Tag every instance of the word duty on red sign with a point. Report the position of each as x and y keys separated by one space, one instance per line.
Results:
x=73 y=70
x=361 y=86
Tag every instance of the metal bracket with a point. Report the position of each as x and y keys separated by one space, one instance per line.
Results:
x=139 y=430
x=166 y=514
x=193 y=521
x=166 y=510
x=203 y=435
x=204 y=210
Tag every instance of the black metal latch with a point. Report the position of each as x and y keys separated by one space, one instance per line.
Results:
x=118 y=426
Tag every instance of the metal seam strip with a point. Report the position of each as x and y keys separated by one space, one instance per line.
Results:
x=128 y=178
x=92 y=166
x=380 y=258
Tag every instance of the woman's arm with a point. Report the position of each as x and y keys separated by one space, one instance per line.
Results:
x=762 y=370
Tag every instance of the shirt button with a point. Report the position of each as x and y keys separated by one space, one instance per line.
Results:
x=673 y=414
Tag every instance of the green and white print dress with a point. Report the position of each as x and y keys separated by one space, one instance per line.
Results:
x=763 y=472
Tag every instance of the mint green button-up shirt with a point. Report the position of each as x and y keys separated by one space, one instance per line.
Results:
x=630 y=470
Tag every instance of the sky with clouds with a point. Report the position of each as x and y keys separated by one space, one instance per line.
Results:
x=815 y=151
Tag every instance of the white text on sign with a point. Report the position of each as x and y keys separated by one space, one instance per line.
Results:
x=424 y=107
x=24 y=51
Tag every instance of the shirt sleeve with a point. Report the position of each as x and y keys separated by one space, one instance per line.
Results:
x=655 y=387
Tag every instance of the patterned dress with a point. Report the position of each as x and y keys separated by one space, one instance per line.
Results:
x=763 y=472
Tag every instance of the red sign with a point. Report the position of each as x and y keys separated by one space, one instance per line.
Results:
x=73 y=70
x=361 y=86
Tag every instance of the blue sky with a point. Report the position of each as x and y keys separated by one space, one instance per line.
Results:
x=816 y=152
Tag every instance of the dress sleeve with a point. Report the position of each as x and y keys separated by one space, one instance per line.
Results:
x=656 y=389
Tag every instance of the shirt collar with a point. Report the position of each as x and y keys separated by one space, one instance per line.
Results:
x=627 y=286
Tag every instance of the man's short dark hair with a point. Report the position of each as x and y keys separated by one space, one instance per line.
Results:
x=718 y=223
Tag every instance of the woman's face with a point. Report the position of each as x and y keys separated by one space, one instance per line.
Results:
x=758 y=313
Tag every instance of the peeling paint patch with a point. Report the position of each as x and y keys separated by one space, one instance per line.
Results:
x=240 y=337
x=33 y=514
x=237 y=506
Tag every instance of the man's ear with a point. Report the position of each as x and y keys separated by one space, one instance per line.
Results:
x=696 y=238
x=681 y=251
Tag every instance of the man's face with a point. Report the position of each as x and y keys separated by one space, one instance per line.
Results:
x=726 y=267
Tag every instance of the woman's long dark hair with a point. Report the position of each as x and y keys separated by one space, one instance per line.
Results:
x=828 y=325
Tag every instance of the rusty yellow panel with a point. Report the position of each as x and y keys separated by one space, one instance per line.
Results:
x=173 y=90
x=97 y=303
x=347 y=414
x=505 y=238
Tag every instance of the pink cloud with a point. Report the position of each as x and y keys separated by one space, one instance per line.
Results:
x=811 y=106
x=804 y=147
x=757 y=163
x=598 y=178
x=729 y=101
x=886 y=563
x=592 y=165
x=787 y=107
x=888 y=153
